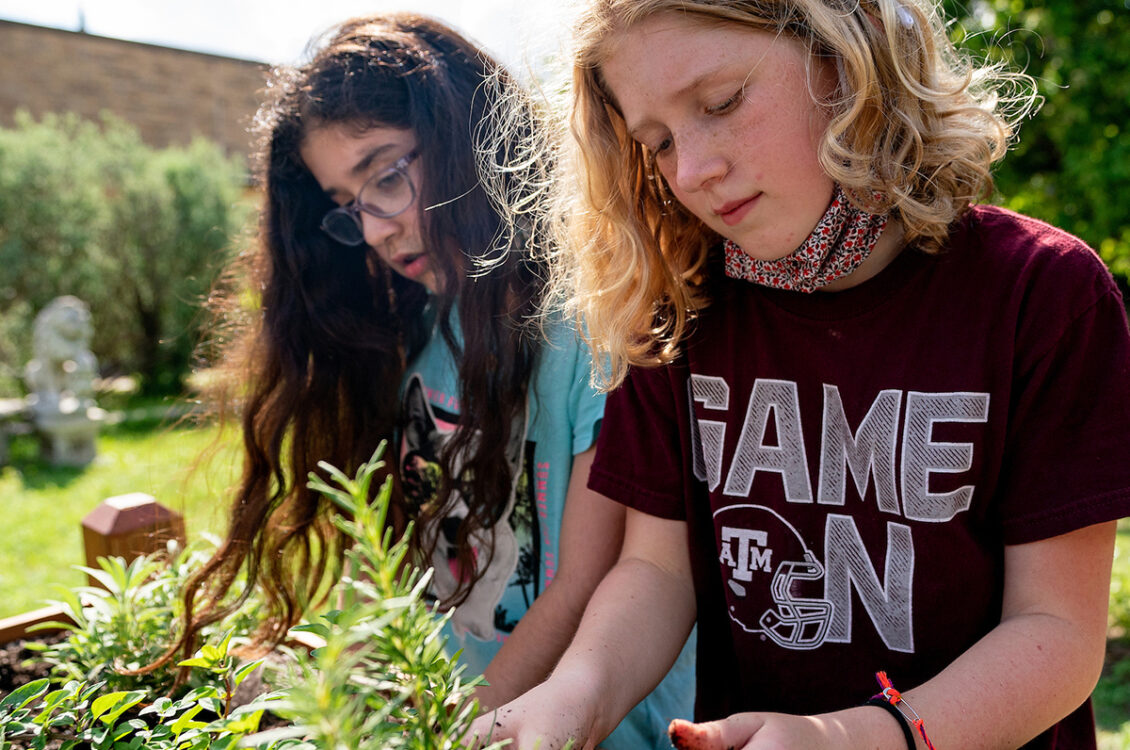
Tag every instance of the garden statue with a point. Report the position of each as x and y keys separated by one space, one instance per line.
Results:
x=60 y=382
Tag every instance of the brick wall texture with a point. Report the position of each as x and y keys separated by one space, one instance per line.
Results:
x=170 y=95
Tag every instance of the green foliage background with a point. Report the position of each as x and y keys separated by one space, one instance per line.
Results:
x=1071 y=167
x=137 y=233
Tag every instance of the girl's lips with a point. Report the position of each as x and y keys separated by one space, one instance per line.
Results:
x=413 y=266
x=734 y=211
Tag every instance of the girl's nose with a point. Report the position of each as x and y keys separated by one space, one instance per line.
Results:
x=376 y=229
x=698 y=163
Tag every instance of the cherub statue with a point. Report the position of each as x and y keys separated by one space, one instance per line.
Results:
x=60 y=382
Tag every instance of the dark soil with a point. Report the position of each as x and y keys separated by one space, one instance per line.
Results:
x=20 y=665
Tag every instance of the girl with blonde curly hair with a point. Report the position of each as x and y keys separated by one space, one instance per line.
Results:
x=871 y=433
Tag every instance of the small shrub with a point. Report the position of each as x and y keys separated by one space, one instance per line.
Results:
x=1071 y=166
x=125 y=624
x=138 y=233
x=383 y=679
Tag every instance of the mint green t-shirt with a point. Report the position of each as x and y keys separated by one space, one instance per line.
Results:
x=562 y=420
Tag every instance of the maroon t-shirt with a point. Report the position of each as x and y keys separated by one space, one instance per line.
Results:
x=851 y=464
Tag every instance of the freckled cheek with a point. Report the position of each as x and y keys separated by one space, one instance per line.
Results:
x=749 y=147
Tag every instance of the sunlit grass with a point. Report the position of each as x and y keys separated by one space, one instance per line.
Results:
x=1112 y=696
x=44 y=506
x=1119 y=740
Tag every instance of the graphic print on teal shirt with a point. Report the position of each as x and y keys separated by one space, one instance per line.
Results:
x=426 y=427
x=563 y=417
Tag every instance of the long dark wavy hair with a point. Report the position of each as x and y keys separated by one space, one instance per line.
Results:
x=319 y=356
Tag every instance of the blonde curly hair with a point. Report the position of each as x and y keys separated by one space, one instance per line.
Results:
x=912 y=122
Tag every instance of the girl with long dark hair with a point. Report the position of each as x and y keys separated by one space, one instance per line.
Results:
x=396 y=289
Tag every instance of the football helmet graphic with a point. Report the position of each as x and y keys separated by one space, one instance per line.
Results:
x=772 y=577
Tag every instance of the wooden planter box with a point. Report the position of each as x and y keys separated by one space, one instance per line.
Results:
x=18 y=627
x=125 y=526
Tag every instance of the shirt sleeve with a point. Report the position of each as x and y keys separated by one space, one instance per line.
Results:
x=643 y=457
x=1068 y=457
x=564 y=386
x=586 y=401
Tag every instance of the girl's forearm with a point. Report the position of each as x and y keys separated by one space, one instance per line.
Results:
x=592 y=532
x=631 y=634
x=1034 y=668
x=532 y=650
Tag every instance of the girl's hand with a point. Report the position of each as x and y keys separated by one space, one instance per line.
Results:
x=759 y=731
x=545 y=718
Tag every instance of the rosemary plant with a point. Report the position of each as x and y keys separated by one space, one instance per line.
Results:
x=382 y=678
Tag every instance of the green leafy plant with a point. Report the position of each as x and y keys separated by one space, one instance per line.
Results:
x=121 y=626
x=125 y=623
x=112 y=630
x=83 y=714
x=380 y=679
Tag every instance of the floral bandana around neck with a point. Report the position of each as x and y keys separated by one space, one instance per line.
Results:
x=840 y=242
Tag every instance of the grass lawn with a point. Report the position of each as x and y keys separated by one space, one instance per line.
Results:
x=45 y=508
x=1112 y=696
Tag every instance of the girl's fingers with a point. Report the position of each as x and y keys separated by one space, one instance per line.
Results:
x=687 y=736
x=731 y=733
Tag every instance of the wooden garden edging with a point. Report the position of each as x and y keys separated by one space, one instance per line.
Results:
x=17 y=627
x=123 y=526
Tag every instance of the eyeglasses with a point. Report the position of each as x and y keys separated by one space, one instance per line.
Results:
x=386 y=194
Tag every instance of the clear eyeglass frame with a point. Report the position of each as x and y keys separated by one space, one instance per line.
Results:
x=386 y=194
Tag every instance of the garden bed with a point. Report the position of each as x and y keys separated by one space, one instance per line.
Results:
x=18 y=663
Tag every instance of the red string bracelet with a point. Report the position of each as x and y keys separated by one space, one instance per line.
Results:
x=894 y=697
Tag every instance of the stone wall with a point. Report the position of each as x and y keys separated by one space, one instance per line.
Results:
x=170 y=95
